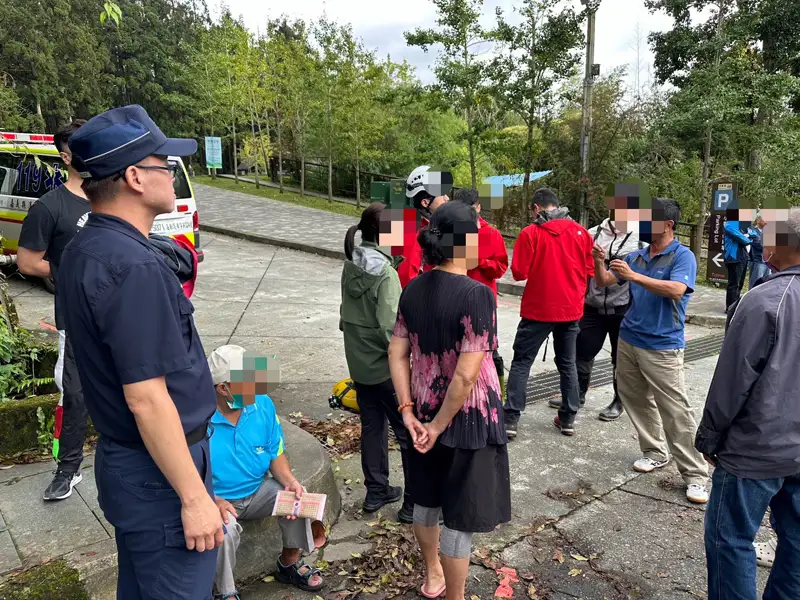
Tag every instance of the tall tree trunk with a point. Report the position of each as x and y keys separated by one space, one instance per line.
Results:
x=302 y=174
x=253 y=130
x=330 y=148
x=471 y=145
x=526 y=184
x=697 y=243
x=233 y=126
x=358 y=172
x=264 y=152
x=279 y=127
x=706 y=173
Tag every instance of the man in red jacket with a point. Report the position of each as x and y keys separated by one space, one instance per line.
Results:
x=428 y=189
x=492 y=252
x=554 y=254
x=492 y=260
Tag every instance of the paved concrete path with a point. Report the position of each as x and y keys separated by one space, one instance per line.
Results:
x=317 y=231
x=280 y=301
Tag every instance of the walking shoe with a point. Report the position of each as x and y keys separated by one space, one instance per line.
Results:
x=612 y=412
x=647 y=465
x=406 y=513
x=696 y=493
x=511 y=429
x=556 y=402
x=566 y=428
x=376 y=501
x=765 y=553
x=233 y=596
x=62 y=484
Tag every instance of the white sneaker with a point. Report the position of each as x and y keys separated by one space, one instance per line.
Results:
x=646 y=465
x=765 y=553
x=696 y=493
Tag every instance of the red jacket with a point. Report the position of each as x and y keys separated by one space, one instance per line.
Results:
x=492 y=255
x=556 y=259
x=412 y=253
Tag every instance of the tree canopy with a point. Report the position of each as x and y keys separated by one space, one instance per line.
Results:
x=506 y=99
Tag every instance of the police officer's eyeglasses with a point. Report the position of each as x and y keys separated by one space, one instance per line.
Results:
x=171 y=167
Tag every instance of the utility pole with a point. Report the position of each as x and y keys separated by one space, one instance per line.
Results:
x=586 y=122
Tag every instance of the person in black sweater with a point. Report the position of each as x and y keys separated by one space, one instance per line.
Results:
x=446 y=383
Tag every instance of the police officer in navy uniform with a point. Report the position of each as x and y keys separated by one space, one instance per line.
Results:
x=144 y=373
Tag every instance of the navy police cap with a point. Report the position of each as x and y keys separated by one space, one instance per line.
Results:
x=119 y=138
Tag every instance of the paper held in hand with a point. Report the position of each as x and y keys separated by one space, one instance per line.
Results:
x=310 y=506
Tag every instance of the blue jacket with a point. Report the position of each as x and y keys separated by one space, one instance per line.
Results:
x=757 y=246
x=735 y=242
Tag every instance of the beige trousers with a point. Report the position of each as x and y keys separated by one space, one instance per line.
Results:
x=653 y=391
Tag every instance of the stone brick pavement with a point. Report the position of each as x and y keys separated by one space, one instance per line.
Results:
x=320 y=232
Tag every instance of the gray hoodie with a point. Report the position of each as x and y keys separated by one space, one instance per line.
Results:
x=370 y=293
x=615 y=298
x=751 y=422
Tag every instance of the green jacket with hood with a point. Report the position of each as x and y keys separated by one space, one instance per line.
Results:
x=370 y=294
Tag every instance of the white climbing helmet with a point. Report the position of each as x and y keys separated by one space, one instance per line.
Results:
x=416 y=181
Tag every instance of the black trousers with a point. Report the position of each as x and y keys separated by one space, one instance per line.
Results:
x=594 y=329
x=71 y=414
x=736 y=273
x=378 y=408
x=529 y=339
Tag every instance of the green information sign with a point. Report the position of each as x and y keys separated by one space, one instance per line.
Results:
x=213 y=153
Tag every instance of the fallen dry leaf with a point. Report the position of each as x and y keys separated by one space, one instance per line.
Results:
x=532 y=592
x=558 y=556
x=268 y=579
x=579 y=557
x=527 y=576
x=574 y=572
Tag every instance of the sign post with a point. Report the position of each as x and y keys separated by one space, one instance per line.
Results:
x=724 y=194
x=213 y=154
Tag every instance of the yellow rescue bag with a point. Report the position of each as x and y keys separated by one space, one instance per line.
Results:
x=344 y=396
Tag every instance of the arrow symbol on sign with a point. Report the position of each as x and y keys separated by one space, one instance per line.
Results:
x=717 y=260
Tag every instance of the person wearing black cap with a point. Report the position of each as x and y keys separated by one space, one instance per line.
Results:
x=145 y=378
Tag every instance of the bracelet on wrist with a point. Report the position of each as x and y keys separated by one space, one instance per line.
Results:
x=404 y=406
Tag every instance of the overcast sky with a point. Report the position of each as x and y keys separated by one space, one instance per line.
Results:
x=381 y=24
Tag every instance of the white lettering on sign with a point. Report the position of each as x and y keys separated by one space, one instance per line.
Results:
x=16 y=203
x=172 y=226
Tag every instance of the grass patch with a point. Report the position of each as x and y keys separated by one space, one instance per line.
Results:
x=340 y=208
x=45 y=582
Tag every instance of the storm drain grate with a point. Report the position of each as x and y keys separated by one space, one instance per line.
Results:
x=547 y=385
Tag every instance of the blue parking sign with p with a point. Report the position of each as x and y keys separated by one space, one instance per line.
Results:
x=723 y=200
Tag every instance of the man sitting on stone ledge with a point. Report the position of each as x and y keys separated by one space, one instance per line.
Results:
x=250 y=468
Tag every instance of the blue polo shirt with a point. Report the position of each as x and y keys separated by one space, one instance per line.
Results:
x=128 y=320
x=654 y=322
x=242 y=454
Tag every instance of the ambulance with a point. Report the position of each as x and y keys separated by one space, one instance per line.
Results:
x=30 y=166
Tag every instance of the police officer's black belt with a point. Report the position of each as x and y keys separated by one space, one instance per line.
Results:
x=194 y=436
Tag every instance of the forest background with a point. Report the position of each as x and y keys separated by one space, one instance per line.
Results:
x=723 y=100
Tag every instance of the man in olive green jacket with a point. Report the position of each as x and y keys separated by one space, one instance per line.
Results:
x=370 y=293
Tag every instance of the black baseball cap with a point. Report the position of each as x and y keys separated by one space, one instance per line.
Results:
x=119 y=138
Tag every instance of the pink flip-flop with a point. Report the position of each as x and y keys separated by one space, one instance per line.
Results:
x=441 y=592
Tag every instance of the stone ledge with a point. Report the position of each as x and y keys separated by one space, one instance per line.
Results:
x=261 y=540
